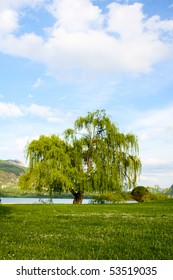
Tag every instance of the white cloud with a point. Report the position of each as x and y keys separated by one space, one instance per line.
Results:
x=87 y=41
x=76 y=15
x=96 y=50
x=8 y=110
x=22 y=142
x=45 y=112
x=28 y=45
x=126 y=20
x=156 y=124
x=8 y=21
x=10 y=12
x=161 y=26
x=16 y=4
x=39 y=111
x=157 y=172
x=154 y=129
x=37 y=83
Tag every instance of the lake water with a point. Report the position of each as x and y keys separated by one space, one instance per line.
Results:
x=16 y=200
x=19 y=200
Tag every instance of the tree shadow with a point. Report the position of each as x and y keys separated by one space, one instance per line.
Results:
x=5 y=210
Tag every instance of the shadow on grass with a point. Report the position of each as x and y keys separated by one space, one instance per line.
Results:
x=5 y=210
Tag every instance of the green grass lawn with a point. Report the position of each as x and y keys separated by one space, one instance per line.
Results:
x=96 y=232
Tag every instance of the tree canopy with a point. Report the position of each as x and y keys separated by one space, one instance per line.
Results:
x=93 y=156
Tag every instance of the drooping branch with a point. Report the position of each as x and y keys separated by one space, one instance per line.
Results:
x=94 y=156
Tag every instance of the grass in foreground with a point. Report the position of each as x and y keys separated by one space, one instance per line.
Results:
x=95 y=232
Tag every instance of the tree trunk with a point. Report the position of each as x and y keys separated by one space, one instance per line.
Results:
x=78 y=197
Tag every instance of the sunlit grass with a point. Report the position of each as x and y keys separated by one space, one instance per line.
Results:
x=121 y=231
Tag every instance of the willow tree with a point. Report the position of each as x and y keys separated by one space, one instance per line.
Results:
x=94 y=156
x=50 y=168
x=110 y=159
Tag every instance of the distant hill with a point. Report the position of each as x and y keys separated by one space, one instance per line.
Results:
x=16 y=161
x=10 y=170
x=170 y=191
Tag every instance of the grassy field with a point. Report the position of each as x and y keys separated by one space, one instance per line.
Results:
x=96 y=232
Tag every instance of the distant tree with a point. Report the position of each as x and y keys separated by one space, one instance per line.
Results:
x=94 y=156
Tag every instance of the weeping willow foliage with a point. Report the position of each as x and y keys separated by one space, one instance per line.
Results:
x=110 y=158
x=50 y=166
x=94 y=156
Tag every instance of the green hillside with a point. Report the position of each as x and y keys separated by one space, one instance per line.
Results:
x=10 y=172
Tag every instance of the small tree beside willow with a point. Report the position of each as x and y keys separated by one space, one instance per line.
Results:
x=93 y=157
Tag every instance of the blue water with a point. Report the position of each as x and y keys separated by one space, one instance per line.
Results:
x=19 y=200
x=11 y=200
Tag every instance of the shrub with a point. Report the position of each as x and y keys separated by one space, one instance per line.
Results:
x=108 y=198
x=158 y=196
x=140 y=194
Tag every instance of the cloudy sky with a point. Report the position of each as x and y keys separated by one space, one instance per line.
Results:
x=60 y=59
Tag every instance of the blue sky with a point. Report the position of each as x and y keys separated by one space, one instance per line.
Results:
x=60 y=59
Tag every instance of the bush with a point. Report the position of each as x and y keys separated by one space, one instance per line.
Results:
x=108 y=198
x=158 y=196
x=140 y=194
x=156 y=193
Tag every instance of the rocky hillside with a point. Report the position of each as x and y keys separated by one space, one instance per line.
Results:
x=10 y=170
